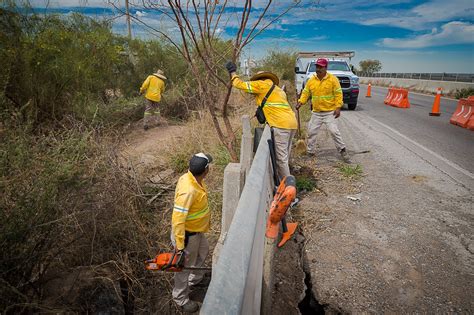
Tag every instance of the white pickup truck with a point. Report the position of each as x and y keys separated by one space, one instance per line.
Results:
x=338 y=65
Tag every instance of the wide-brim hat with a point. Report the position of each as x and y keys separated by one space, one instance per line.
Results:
x=261 y=75
x=160 y=74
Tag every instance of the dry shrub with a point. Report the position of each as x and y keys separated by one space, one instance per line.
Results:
x=66 y=203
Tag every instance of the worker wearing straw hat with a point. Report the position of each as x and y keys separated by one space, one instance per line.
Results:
x=278 y=113
x=154 y=85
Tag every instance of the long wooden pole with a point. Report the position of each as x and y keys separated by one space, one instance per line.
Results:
x=128 y=20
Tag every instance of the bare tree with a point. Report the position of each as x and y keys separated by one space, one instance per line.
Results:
x=198 y=24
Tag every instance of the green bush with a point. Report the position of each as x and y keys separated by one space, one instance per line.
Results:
x=351 y=171
x=55 y=66
x=305 y=183
x=282 y=63
x=464 y=93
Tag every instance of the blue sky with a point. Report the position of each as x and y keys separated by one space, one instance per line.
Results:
x=406 y=36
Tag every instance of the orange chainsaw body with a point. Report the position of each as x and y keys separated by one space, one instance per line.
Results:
x=285 y=195
x=164 y=262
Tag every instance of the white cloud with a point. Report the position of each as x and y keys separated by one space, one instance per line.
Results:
x=451 y=33
x=425 y=15
x=69 y=3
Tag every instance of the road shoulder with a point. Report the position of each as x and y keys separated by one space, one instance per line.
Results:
x=399 y=238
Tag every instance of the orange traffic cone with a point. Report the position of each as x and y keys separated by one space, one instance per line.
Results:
x=435 y=109
x=368 y=90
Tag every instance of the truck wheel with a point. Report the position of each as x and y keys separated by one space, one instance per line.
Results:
x=352 y=106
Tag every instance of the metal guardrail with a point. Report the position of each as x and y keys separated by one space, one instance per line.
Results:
x=453 y=77
x=236 y=286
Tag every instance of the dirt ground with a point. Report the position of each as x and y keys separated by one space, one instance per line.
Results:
x=388 y=241
x=144 y=153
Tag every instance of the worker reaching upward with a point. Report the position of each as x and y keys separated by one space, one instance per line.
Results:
x=278 y=113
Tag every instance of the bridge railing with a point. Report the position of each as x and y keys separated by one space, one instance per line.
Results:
x=453 y=77
x=238 y=280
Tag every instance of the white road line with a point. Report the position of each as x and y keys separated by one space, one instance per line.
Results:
x=448 y=162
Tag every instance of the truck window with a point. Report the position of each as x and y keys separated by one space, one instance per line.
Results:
x=333 y=65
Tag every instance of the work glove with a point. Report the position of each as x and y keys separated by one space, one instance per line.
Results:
x=230 y=66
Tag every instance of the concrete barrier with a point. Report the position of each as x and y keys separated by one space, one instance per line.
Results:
x=242 y=276
x=430 y=86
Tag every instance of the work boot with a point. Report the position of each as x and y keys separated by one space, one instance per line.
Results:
x=344 y=155
x=190 y=307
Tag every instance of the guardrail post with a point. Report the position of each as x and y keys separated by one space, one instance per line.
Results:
x=234 y=181
x=246 y=146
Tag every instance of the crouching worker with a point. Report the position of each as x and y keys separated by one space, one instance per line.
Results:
x=190 y=221
x=278 y=113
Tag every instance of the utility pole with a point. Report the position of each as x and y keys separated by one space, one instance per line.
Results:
x=128 y=20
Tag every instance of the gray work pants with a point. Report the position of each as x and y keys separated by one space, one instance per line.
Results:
x=195 y=254
x=283 y=138
x=152 y=112
x=316 y=121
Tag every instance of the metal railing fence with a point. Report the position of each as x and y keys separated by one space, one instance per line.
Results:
x=453 y=77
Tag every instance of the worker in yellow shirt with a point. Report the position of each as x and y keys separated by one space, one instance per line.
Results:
x=154 y=85
x=190 y=220
x=326 y=97
x=278 y=112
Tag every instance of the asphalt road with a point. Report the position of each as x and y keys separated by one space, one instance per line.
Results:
x=453 y=143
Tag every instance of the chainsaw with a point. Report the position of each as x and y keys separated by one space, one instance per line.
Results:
x=171 y=262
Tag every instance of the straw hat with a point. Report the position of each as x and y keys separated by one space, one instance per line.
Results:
x=160 y=74
x=262 y=75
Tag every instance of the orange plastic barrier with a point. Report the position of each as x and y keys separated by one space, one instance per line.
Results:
x=389 y=95
x=464 y=114
x=400 y=98
x=470 y=124
x=393 y=96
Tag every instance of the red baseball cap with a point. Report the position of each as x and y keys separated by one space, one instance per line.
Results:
x=322 y=62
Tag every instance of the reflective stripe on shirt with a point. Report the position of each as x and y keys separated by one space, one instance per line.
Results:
x=249 y=87
x=198 y=214
x=277 y=104
x=180 y=209
x=323 y=97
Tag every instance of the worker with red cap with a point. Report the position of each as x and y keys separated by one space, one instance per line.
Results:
x=326 y=97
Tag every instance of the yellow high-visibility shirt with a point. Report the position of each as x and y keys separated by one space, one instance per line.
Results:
x=191 y=210
x=154 y=87
x=326 y=94
x=277 y=110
